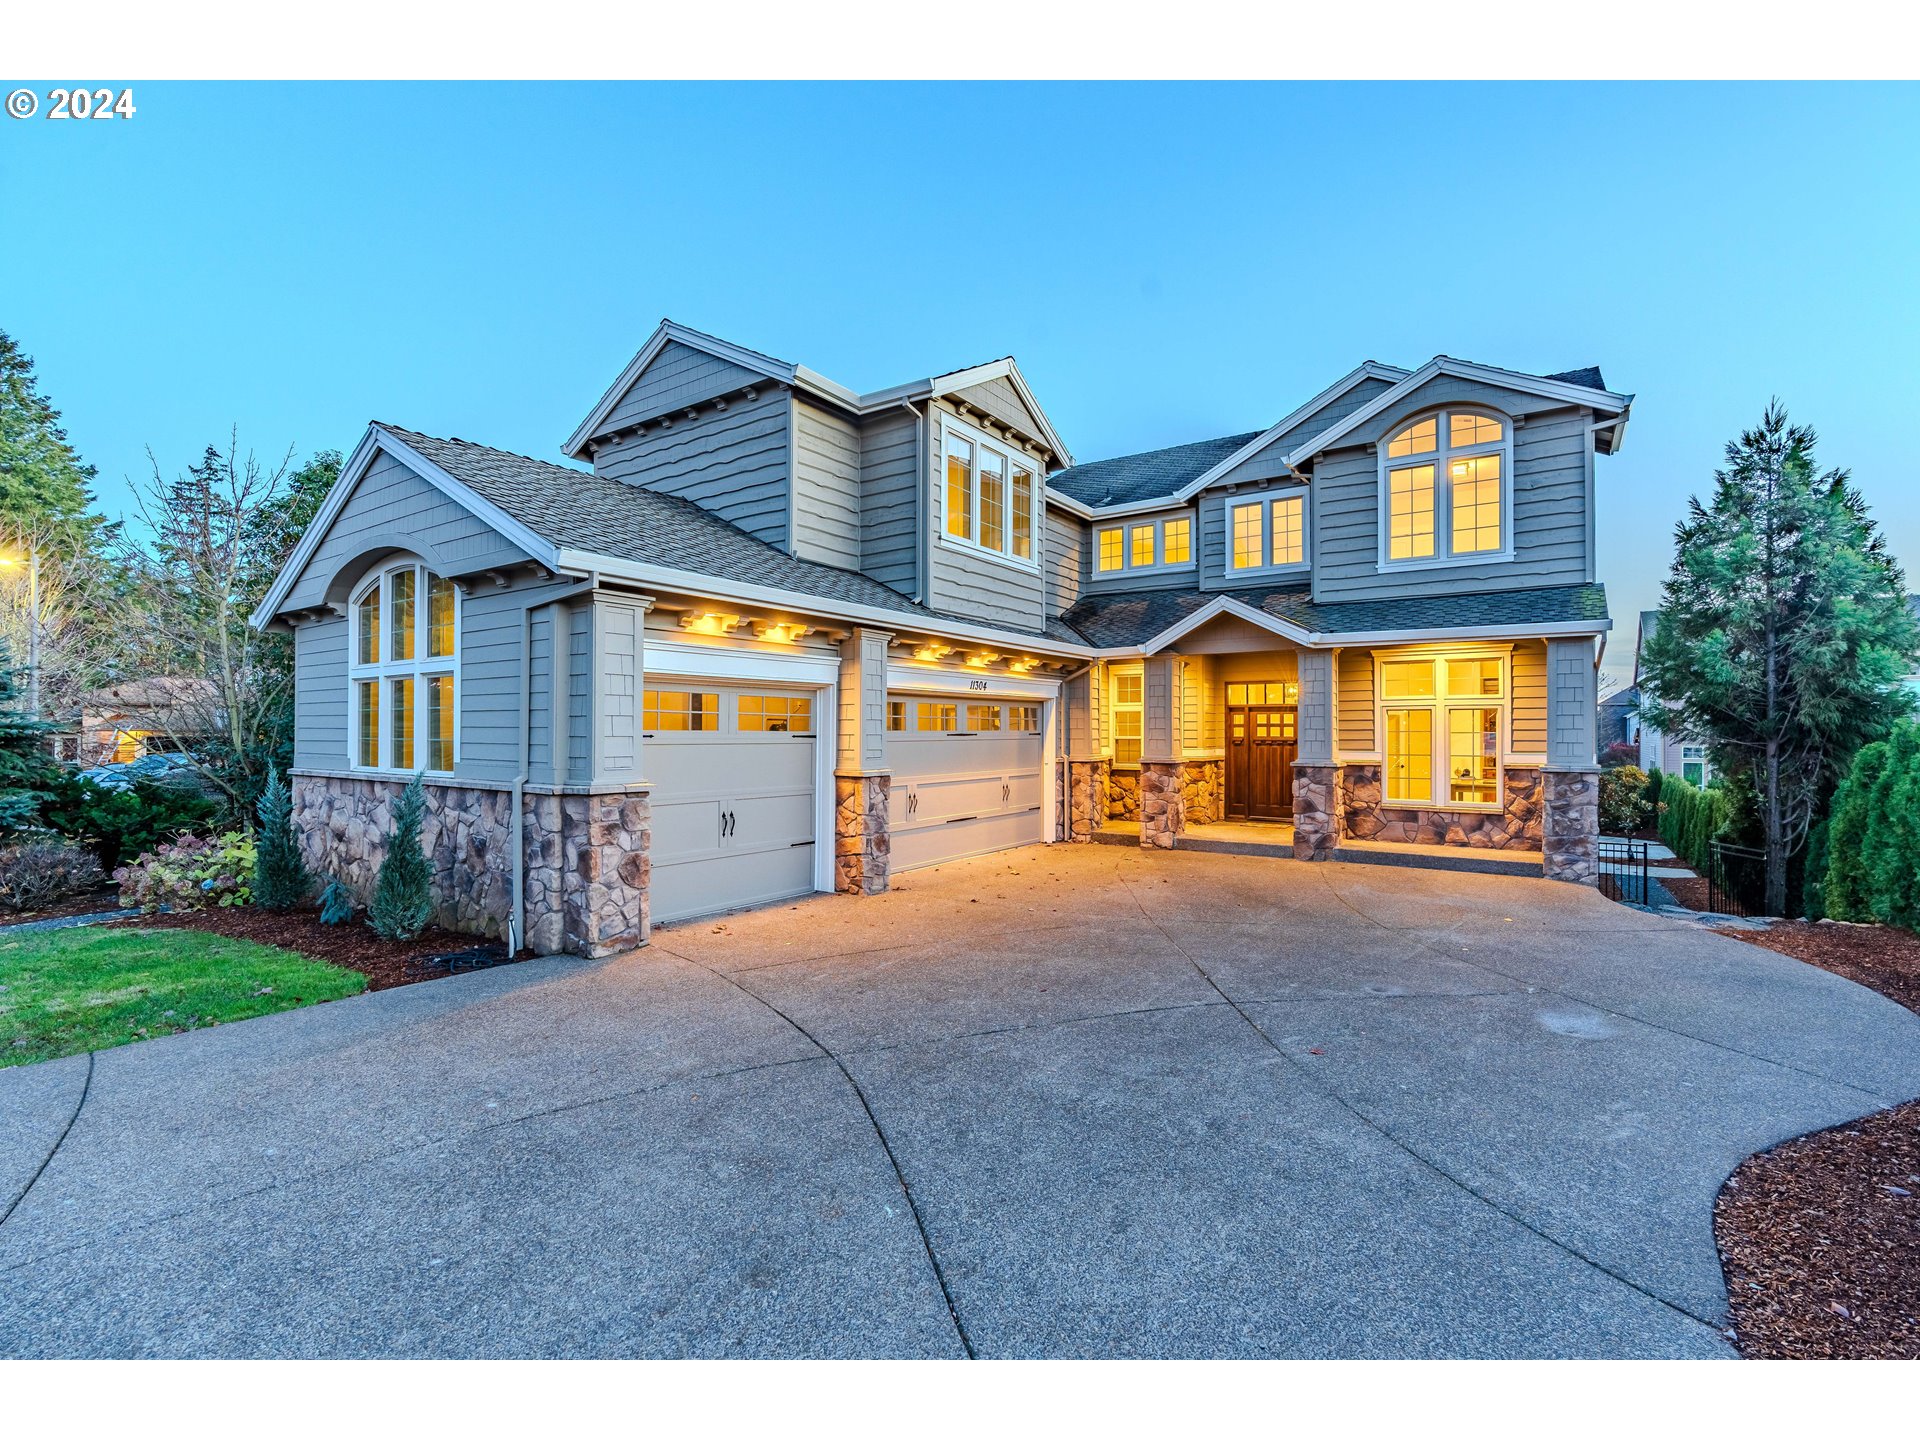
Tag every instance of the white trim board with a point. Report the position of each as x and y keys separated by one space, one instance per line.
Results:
x=1327 y=640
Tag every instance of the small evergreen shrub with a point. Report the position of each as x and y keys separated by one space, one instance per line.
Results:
x=42 y=869
x=1653 y=790
x=403 y=896
x=1847 y=892
x=1892 y=841
x=189 y=873
x=1623 y=800
x=280 y=878
x=336 y=904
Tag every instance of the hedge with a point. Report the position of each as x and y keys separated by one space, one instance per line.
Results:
x=1691 y=819
x=1873 y=834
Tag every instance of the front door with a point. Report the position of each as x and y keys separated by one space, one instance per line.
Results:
x=1262 y=741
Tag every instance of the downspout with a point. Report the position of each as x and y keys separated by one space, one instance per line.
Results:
x=517 y=918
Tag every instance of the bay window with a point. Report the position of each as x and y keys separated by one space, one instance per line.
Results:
x=990 y=494
x=1449 y=709
x=403 y=652
x=1445 y=488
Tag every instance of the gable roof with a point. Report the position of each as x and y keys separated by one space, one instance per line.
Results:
x=810 y=382
x=1149 y=620
x=1153 y=474
x=574 y=520
x=1550 y=386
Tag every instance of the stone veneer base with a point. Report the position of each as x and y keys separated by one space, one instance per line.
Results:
x=586 y=868
x=1163 y=808
x=1517 y=825
x=1571 y=851
x=1087 y=804
x=1318 y=810
x=862 y=833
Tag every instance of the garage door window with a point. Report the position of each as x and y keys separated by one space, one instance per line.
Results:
x=937 y=715
x=679 y=710
x=984 y=717
x=896 y=714
x=782 y=713
x=1023 y=717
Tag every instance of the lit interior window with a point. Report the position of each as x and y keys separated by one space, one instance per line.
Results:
x=672 y=710
x=1410 y=756
x=1406 y=679
x=896 y=714
x=1289 y=533
x=959 y=487
x=1023 y=511
x=1463 y=430
x=1140 y=545
x=1415 y=439
x=938 y=715
x=983 y=717
x=440 y=722
x=776 y=713
x=1177 y=542
x=1128 y=691
x=1410 y=512
x=1247 y=553
x=1476 y=503
x=400 y=711
x=1111 y=553
x=1473 y=755
x=993 y=499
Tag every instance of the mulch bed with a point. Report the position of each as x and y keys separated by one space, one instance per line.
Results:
x=93 y=902
x=1820 y=1237
x=431 y=954
x=1689 y=890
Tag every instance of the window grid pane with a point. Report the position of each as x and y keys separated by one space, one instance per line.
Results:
x=938 y=715
x=1466 y=430
x=401 y=647
x=1140 y=545
x=984 y=717
x=1410 y=756
x=440 y=722
x=1467 y=678
x=671 y=710
x=401 y=719
x=1023 y=717
x=1127 y=689
x=370 y=722
x=1289 y=535
x=993 y=500
x=1178 y=547
x=1023 y=512
x=896 y=714
x=439 y=617
x=959 y=487
x=1473 y=755
x=776 y=714
x=1246 y=536
x=1410 y=513
x=370 y=627
x=1406 y=679
x=1476 y=503
x=1415 y=439
x=1110 y=551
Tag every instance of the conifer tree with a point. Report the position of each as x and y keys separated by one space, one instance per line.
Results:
x=280 y=878
x=403 y=895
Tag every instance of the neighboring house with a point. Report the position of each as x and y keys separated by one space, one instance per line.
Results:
x=121 y=723
x=786 y=637
x=1671 y=754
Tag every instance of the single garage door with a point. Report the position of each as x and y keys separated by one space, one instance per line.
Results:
x=733 y=811
x=966 y=777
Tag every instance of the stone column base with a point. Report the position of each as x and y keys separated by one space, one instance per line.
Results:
x=862 y=833
x=1163 y=806
x=1203 y=787
x=1318 y=810
x=1570 y=846
x=604 y=873
x=1086 y=799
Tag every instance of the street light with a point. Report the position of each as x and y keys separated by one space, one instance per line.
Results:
x=33 y=625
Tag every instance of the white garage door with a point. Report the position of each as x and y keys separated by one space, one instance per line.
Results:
x=733 y=811
x=967 y=776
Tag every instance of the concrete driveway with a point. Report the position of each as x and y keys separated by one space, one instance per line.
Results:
x=1074 y=1101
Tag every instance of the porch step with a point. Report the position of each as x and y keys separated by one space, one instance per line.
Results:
x=1231 y=839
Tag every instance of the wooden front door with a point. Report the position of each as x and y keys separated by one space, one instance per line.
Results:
x=1262 y=741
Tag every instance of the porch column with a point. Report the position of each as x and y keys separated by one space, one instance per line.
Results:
x=1085 y=812
x=862 y=784
x=1163 y=806
x=1570 y=837
x=1319 y=809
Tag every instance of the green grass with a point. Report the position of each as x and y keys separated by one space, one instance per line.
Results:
x=66 y=991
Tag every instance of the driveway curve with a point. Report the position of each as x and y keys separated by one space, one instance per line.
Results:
x=1073 y=1101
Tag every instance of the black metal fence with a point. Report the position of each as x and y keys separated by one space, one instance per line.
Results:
x=1624 y=871
x=1736 y=879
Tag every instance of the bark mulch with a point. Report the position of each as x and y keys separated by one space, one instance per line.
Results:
x=1820 y=1237
x=431 y=954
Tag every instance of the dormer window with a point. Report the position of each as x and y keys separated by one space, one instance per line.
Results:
x=990 y=494
x=1445 y=485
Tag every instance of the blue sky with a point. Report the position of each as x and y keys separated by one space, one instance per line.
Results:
x=1168 y=263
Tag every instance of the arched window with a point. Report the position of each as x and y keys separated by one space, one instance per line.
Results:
x=1445 y=485
x=402 y=673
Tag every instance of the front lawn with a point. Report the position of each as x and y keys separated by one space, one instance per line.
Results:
x=66 y=991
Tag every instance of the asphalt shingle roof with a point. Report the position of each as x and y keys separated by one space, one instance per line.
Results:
x=1132 y=617
x=1127 y=478
x=1587 y=375
x=579 y=510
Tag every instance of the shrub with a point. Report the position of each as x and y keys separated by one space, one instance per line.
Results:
x=41 y=869
x=336 y=904
x=1621 y=752
x=191 y=872
x=280 y=878
x=1691 y=819
x=1847 y=892
x=119 y=823
x=1891 y=846
x=1654 y=777
x=1623 y=800
x=403 y=895
x=1813 y=873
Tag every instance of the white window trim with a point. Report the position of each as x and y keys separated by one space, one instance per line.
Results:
x=1437 y=707
x=1115 y=673
x=1016 y=456
x=1443 y=556
x=1266 y=500
x=421 y=668
x=1125 y=529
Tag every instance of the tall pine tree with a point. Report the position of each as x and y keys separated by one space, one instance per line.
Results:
x=1783 y=632
x=44 y=486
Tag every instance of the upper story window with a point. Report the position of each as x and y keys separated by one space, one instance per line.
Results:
x=1267 y=533
x=1446 y=487
x=403 y=686
x=990 y=494
x=1144 y=544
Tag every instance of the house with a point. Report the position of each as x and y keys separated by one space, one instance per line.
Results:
x=1671 y=754
x=120 y=723
x=767 y=635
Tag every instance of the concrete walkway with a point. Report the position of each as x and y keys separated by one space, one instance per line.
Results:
x=1074 y=1101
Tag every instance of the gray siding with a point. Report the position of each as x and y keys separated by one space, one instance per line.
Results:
x=1355 y=701
x=1179 y=577
x=540 y=701
x=964 y=583
x=320 y=694
x=826 y=487
x=733 y=462
x=1550 y=507
x=890 y=499
x=1267 y=464
x=392 y=508
x=579 y=694
x=490 y=676
x=1067 y=558
x=679 y=375
x=1529 y=698
x=1000 y=400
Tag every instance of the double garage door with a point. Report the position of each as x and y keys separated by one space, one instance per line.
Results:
x=967 y=777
